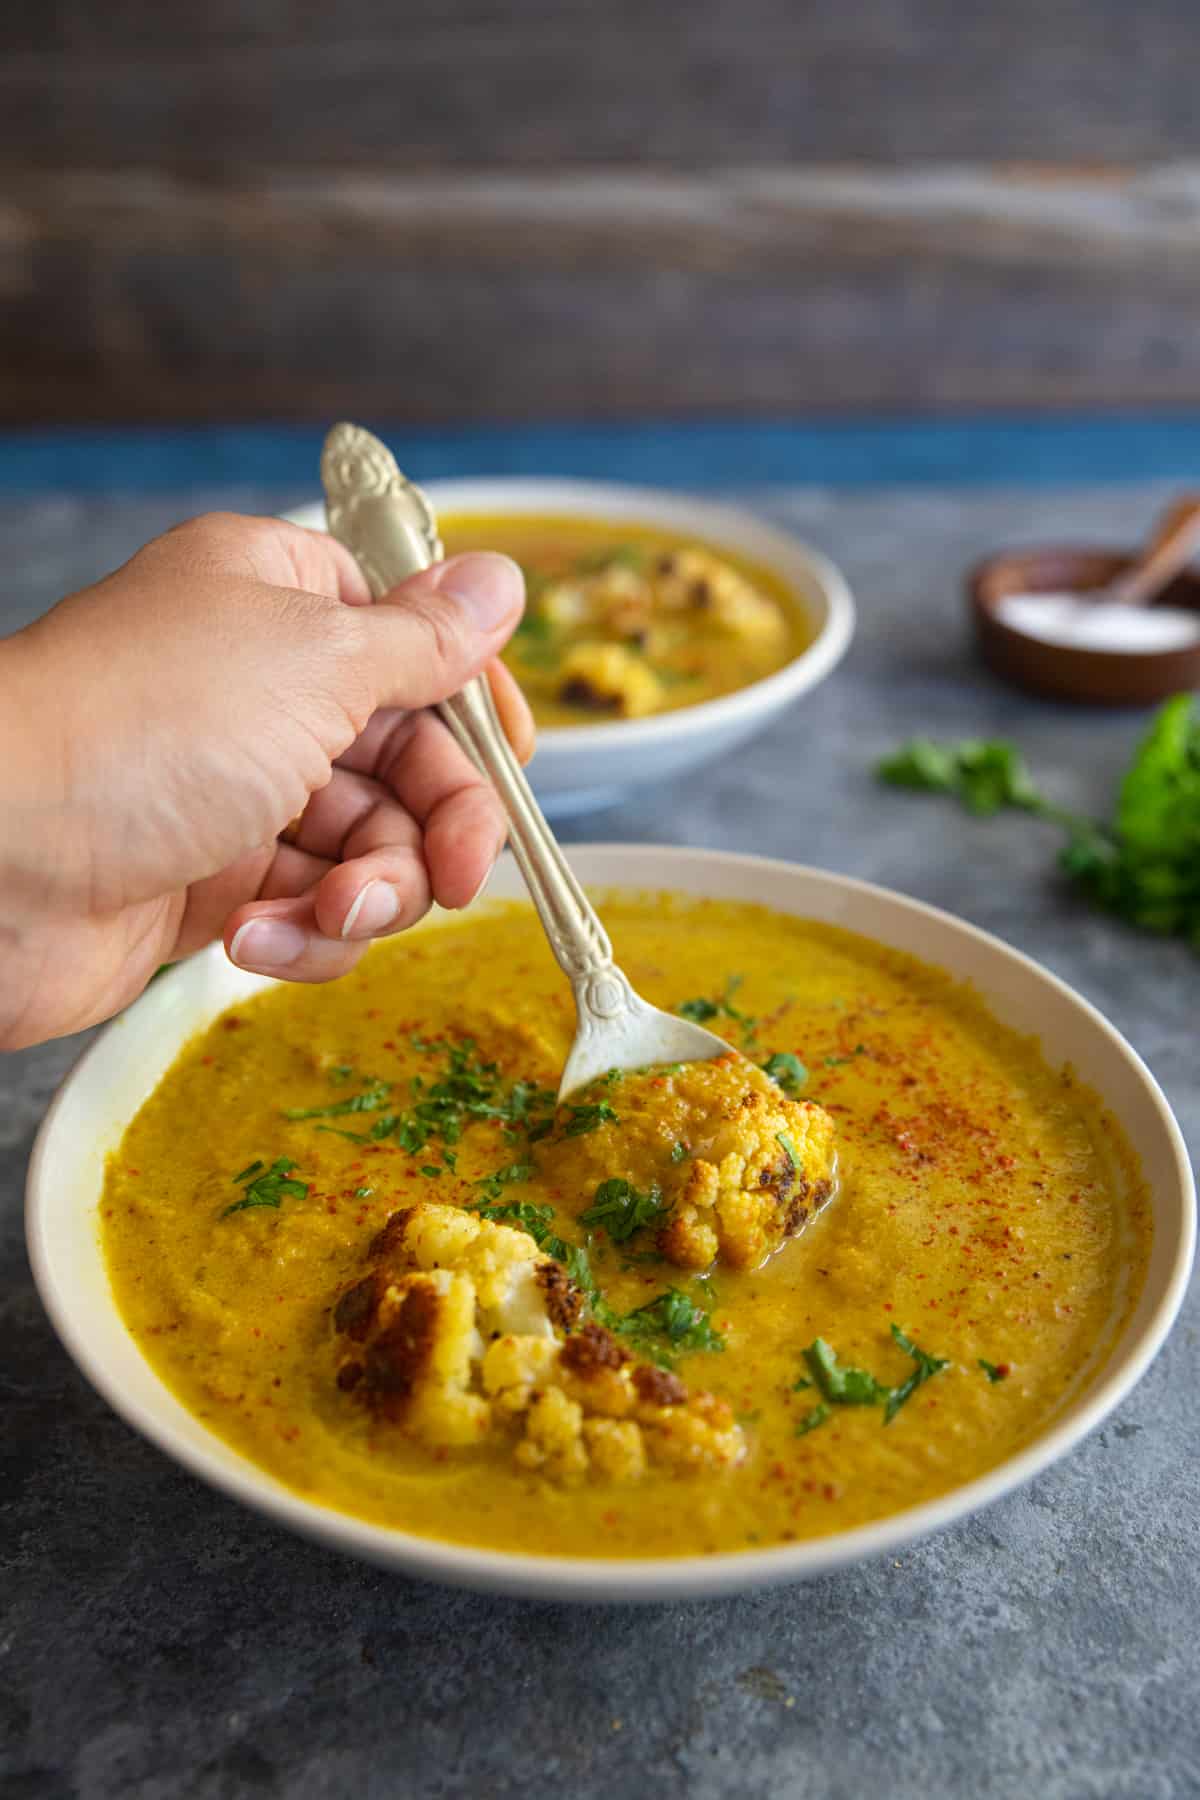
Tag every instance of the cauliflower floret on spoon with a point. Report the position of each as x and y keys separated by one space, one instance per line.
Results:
x=735 y=1166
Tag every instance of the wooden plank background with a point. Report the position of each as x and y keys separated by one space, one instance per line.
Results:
x=449 y=209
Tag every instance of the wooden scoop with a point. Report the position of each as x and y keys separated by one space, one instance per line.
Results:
x=1170 y=547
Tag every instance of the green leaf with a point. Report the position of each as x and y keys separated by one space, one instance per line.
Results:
x=671 y=1323
x=840 y=1384
x=788 y=1147
x=269 y=1189
x=787 y=1071
x=622 y=1209
x=992 y=1372
x=984 y=774
x=679 y=1153
x=370 y=1100
x=700 y=1011
x=927 y=1366
x=813 y=1419
x=586 y=1118
x=1145 y=865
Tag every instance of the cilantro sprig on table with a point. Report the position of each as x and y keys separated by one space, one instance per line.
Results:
x=1142 y=865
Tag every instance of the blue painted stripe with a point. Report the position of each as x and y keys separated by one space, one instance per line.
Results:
x=704 y=454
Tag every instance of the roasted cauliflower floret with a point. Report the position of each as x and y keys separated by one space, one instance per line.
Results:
x=696 y=581
x=502 y=1263
x=571 y=1403
x=608 y=678
x=417 y=1357
x=735 y=1166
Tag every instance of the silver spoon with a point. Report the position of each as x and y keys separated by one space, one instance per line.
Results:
x=389 y=528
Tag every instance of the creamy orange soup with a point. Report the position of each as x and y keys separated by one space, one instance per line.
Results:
x=926 y=1252
x=624 y=620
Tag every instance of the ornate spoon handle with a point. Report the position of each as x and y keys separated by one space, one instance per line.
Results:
x=387 y=524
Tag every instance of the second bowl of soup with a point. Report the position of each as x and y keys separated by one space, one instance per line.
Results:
x=661 y=630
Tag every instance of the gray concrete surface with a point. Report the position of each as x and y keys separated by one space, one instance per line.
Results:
x=155 y=1641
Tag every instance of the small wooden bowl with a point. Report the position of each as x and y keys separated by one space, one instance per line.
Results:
x=1092 y=677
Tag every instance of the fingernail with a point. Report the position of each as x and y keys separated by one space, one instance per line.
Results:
x=488 y=586
x=267 y=944
x=476 y=894
x=375 y=908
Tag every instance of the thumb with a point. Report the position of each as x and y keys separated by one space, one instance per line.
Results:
x=433 y=632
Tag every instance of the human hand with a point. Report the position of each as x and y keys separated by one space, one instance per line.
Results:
x=226 y=738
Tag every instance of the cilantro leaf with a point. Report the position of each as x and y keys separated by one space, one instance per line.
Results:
x=623 y=1209
x=370 y=1100
x=1144 y=865
x=269 y=1188
x=701 y=1010
x=993 y=1371
x=927 y=1366
x=840 y=1384
x=811 y=1420
x=671 y=1322
x=586 y=1118
x=984 y=774
x=787 y=1071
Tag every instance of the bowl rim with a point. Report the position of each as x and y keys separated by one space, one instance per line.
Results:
x=718 y=523
x=525 y=1574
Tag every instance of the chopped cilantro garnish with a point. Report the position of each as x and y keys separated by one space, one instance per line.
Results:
x=270 y=1188
x=467 y=1089
x=810 y=1421
x=538 y=1221
x=679 y=1152
x=788 y=1147
x=671 y=1322
x=432 y=1170
x=927 y=1366
x=340 y=1072
x=835 y=1062
x=844 y=1386
x=363 y=1193
x=701 y=1010
x=992 y=1371
x=586 y=1118
x=787 y=1071
x=371 y=1099
x=623 y=1209
x=840 y=1384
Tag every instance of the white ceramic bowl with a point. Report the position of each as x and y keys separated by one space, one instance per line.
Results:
x=578 y=768
x=98 y=1099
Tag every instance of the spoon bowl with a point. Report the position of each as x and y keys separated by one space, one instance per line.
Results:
x=388 y=526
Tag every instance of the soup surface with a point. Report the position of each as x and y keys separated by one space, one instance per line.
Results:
x=623 y=620
x=913 y=1323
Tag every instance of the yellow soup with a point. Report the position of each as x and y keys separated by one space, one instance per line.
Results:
x=698 y=1309
x=624 y=620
